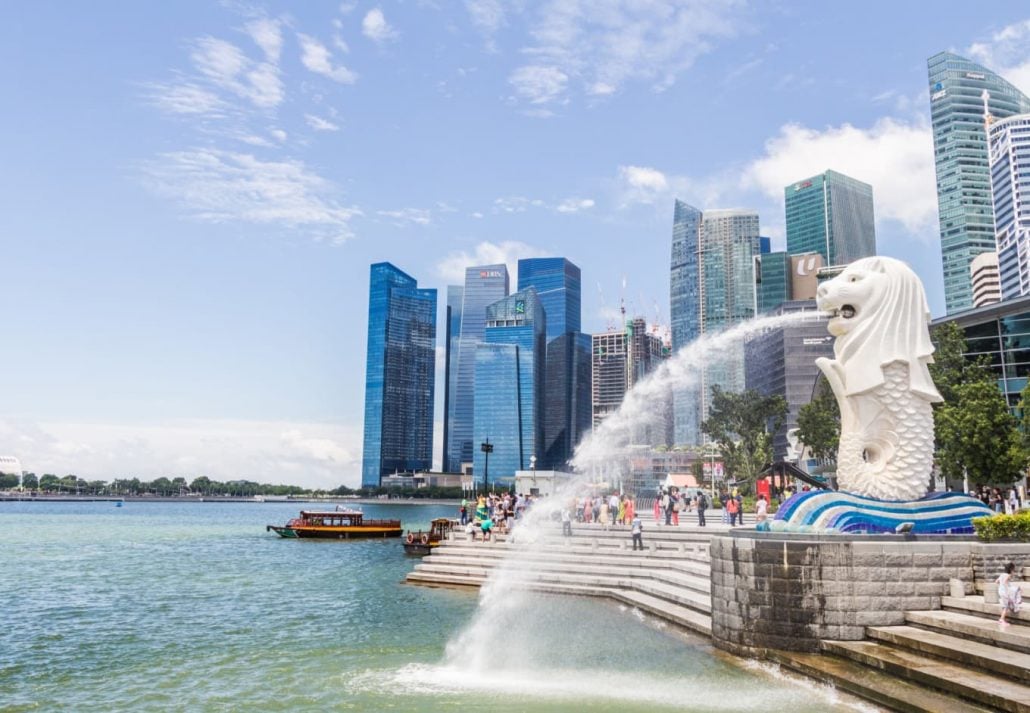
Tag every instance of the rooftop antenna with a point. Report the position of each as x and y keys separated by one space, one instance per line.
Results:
x=988 y=119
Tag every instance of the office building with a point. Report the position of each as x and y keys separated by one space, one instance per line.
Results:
x=712 y=288
x=1009 y=151
x=509 y=383
x=484 y=285
x=961 y=158
x=830 y=214
x=781 y=277
x=781 y=361
x=400 y=371
x=558 y=286
x=986 y=283
x=455 y=298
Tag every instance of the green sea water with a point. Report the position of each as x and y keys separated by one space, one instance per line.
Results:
x=195 y=607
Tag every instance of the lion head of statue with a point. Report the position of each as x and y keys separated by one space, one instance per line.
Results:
x=879 y=315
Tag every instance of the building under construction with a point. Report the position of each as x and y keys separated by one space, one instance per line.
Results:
x=620 y=361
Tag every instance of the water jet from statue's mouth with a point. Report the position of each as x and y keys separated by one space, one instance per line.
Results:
x=845 y=311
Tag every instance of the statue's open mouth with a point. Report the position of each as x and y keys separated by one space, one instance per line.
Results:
x=846 y=311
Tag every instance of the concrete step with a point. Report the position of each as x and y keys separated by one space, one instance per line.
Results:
x=975 y=604
x=981 y=688
x=663 y=609
x=689 y=598
x=981 y=585
x=976 y=628
x=871 y=684
x=627 y=559
x=992 y=659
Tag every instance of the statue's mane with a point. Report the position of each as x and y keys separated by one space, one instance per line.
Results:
x=895 y=331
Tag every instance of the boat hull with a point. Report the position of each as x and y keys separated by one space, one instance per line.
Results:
x=335 y=533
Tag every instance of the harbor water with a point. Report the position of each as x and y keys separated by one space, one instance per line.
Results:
x=195 y=607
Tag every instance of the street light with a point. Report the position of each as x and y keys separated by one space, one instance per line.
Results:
x=487 y=447
x=532 y=466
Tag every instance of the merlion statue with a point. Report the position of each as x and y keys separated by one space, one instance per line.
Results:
x=878 y=313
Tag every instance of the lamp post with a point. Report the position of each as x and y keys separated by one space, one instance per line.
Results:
x=532 y=467
x=487 y=447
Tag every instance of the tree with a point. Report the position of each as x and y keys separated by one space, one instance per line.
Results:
x=29 y=481
x=819 y=422
x=741 y=424
x=978 y=436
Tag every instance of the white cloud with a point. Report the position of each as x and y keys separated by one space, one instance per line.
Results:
x=218 y=186
x=187 y=99
x=316 y=455
x=278 y=134
x=894 y=156
x=226 y=66
x=537 y=84
x=319 y=124
x=267 y=35
x=604 y=44
x=509 y=252
x=407 y=216
x=488 y=16
x=644 y=178
x=376 y=28
x=1007 y=53
x=319 y=59
x=574 y=205
x=516 y=204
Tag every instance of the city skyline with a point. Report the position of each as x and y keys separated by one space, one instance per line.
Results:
x=186 y=263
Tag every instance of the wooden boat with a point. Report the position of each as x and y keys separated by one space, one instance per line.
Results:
x=339 y=524
x=422 y=543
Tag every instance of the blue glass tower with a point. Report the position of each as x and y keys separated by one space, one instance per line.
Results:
x=961 y=158
x=484 y=285
x=400 y=369
x=684 y=312
x=455 y=296
x=509 y=381
x=567 y=406
x=558 y=286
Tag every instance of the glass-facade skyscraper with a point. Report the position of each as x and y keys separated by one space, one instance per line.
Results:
x=455 y=297
x=712 y=288
x=773 y=278
x=400 y=370
x=1010 y=188
x=961 y=158
x=484 y=285
x=566 y=405
x=830 y=214
x=509 y=384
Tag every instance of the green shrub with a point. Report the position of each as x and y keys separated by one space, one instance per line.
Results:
x=992 y=528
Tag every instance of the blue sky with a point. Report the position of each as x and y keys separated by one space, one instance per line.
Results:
x=193 y=191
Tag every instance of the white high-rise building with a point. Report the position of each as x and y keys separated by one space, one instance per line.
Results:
x=1010 y=195
x=984 y=273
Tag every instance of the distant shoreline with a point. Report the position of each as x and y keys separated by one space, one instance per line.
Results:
x=16 y=497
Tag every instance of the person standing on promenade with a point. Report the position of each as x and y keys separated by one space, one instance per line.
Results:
x=731 y=507
x=761 y=509
x=464 y=510
x=677 y=506
x=621 y=519
x=658 y=509
x=631 y=509
x=1010 y=596
x=613 y=507
x=636 y=530
x=603 y=517
x=566 y=521
x=702 y=505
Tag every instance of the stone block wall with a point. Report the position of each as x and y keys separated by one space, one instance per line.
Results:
x=783 y=591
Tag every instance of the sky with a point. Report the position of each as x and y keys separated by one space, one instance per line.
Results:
x=191 y=193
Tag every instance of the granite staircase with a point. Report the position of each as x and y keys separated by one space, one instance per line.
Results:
x=669 y=580
x=955 y=659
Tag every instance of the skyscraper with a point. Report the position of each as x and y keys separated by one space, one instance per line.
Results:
x=455 y=297
x=831 y=214
x=772 y=274
x=509 y=385
x=557 y=284
x=1010 y=189
x=712 y=288
x=400 y=369
x=484 y=285
x=566 y=405
x=961 y=157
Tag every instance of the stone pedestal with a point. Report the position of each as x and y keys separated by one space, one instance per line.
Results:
x=784 y=591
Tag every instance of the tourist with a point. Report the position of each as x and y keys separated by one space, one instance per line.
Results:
x=509 y=514
x=731 y=506
x=566 y=521
x=464 y=512
x=613 y=507
x=603 y=517
x=658 y=509
x=486 y=526
x=470 y=530
x=621 y=518
x=1013 y=503
x=702 y=505
x=1010 y=596
x=995 y=501
x=667 y=507
x=677 y=505
x=588 y=509
x=631 y=509
x=597 y=507
x=481 y=511
x=761 y=509
x=740 y=506
x=636 y=530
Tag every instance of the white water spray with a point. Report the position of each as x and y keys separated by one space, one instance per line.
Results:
x=503 y=599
